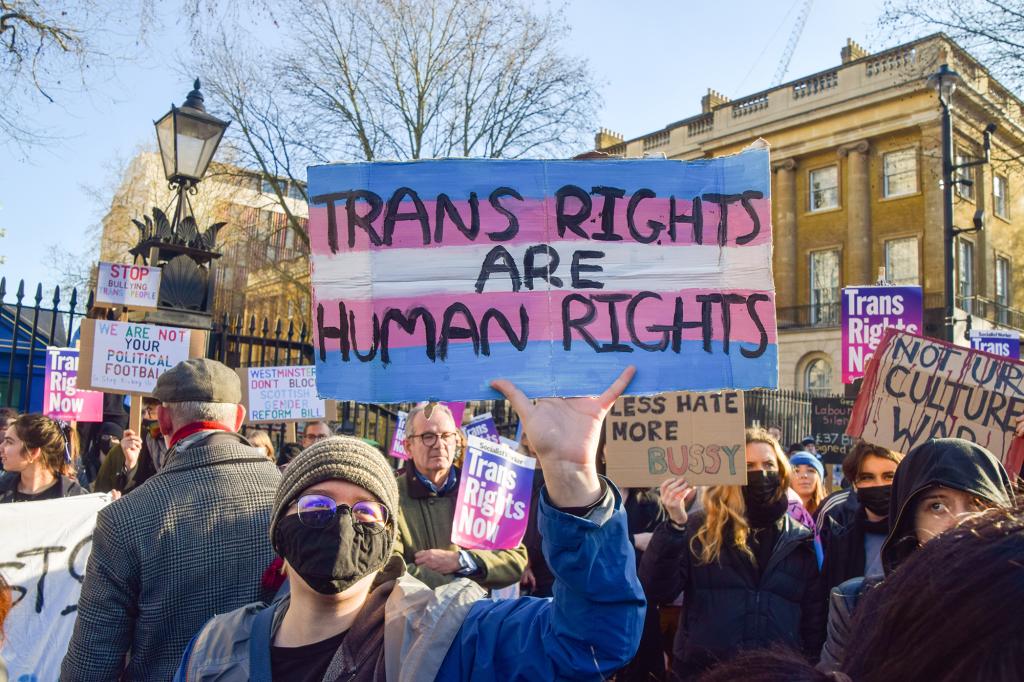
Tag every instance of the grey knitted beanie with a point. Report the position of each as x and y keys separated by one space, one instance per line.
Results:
x=343 y=458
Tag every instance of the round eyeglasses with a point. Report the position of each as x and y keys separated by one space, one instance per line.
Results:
x=430 y=439
x=318 y=511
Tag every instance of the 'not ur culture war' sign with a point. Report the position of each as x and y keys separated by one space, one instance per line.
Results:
x=431 y=278
x=867 y=313
x=917 y=388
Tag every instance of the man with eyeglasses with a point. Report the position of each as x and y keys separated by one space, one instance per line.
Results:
x=315 y=432
x=353 y=612
x=427 y=492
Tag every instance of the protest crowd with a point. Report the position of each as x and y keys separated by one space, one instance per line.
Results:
x=219 y=561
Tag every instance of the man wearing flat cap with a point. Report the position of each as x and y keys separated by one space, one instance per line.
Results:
x=188 y=544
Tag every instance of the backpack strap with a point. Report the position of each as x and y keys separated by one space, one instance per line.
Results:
x=259 y=645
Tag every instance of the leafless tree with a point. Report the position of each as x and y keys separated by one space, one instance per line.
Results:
x=992 y=30
x=394 y=79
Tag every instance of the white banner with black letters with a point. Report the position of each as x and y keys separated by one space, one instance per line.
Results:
x=44 y=547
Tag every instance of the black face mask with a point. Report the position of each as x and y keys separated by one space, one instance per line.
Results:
x=106 y=444
x=762 y=496
x=334 y=558
x=875 y=499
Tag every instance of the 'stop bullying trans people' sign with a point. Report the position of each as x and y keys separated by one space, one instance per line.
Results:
x=431 y=278
x=133 y=286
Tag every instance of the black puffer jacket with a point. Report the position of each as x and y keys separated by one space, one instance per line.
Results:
x=948 y=462
x=727 y=607
x=841 y=531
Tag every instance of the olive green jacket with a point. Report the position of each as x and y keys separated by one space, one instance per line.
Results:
x=425 y=521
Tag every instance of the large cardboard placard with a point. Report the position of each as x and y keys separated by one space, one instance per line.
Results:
x=699 y=436
x=274 y=395
x=829 y=419
x=493 y=506
x=1002 y=342
x=124 y=284
x=867 y=313
x=62 y=399
x=917 y=388
x=44 y=548
x=124 y=357
x=431 y=278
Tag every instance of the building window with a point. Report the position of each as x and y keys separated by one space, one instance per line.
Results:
x=999 y=196
x=965 y=178
x=965 y=271
x=899 y=173
x=824 y=188
x=1002 y=289
x=901 y=265
x=818 y=377
x=267 y=187
x=824 y=272
x=295 y=192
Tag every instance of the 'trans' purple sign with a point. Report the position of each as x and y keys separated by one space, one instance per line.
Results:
x=483 y=426
x=867 y=313
x=494 y=496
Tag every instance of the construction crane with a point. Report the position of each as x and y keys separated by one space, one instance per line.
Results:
x=794 y=38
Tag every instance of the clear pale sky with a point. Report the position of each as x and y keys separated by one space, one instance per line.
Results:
x=655 y=60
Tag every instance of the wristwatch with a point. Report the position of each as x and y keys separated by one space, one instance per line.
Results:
x=466 y=564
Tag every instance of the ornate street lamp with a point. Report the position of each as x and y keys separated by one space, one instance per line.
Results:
x=188 y=137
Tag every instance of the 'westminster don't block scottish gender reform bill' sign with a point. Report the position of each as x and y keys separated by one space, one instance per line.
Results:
x=431 y=278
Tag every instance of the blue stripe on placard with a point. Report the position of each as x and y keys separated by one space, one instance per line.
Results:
x=540 y=369
x=535 y=179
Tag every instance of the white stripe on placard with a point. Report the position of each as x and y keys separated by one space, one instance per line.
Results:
x=624 y=267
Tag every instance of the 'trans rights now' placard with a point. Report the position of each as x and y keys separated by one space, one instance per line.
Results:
x=867 y=313
x=431 y=278
x=493 y=506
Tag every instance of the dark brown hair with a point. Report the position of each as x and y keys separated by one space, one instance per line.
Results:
x=854 y=458
x=57 y=441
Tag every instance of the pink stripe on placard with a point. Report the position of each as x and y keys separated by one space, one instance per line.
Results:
x=537 y=224
x=649 y=311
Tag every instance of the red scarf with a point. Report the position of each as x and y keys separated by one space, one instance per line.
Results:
x=196 y=427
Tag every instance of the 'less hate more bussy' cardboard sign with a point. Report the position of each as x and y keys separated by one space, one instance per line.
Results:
x=430 y=278
x=699 y=436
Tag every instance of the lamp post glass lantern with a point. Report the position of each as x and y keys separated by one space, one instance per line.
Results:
x=188 y=138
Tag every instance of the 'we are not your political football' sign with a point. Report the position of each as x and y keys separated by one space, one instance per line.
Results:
x=431 y=278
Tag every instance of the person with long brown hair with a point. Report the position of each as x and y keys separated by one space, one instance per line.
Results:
x=37 y=455
x=747 y=570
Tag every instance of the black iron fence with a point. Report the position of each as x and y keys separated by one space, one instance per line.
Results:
x=31 y=323
x=28 y=324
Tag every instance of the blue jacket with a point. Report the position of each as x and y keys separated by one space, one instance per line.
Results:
x=589 y=629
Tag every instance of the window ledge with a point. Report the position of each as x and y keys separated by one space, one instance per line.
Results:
x=820 y=211
x=897 y=197
x=1005 y=219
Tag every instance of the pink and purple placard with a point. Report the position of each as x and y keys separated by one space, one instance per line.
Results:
x=493 y=506
x=61 y=399
x=867 y=312
x=431 y=278
x=483 y=426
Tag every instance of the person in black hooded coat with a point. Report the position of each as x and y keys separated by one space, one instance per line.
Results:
x=935 y=485
x=747 y=569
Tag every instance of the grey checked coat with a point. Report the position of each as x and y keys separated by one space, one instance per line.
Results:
x=191 y=542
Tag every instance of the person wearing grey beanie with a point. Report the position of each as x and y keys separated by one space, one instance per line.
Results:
x=354 y=613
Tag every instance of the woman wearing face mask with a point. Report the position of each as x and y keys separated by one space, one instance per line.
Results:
x=747 y=570
x=938 y=484
x=37 y=454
